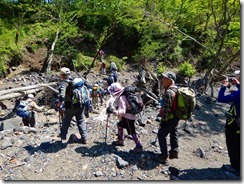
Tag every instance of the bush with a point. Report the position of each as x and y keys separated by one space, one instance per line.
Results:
x=186 y=70
x=161 y=68
x=2 y=68
x=81 y=61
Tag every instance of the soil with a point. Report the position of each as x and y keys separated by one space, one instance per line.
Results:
x=38 y=155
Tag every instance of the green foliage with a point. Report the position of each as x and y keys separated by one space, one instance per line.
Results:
x=82 y=62
x=119 y=62
x=161 y=68
x=186 y=69
x=114 y=25
x=2 y=68
x=147 y=51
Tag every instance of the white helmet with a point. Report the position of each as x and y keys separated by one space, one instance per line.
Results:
x=65 y=71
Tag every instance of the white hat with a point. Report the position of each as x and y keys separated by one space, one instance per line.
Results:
x=115 y=88
x=65 y=71
x=237 y=72
x=30 y=96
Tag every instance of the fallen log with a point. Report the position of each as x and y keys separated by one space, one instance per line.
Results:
x=19 y=89
x=18 y=94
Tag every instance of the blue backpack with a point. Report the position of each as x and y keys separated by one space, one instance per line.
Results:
x=21 y=110
x=77 y=93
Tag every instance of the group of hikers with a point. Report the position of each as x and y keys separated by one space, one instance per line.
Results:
x=76 y=105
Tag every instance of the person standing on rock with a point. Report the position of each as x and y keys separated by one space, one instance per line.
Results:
x=31 y=107
x=69 y=110
x=169 y=123
x=232 y=126
x=126 y=120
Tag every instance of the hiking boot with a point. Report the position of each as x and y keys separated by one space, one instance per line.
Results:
x=83 y=141
x=118 y=143
x=162 y=159
x=138 y=149
x=173 y=154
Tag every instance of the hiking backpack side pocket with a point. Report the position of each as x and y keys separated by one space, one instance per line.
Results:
x=185 y=101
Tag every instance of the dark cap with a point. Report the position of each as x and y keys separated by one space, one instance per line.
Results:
x=169 y=75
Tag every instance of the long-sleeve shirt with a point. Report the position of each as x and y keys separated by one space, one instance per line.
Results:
x=233 y=97
x=167 y=110
x=62 y=88
x=122 y=105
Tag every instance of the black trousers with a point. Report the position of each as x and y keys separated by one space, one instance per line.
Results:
x=233 y=146
x=29 y=121
x=128 y=124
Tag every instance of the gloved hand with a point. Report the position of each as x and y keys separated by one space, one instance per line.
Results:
x=109 y=110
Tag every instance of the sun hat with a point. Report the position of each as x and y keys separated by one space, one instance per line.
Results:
x=115 y=88
x=169 y=75
x=65 y=71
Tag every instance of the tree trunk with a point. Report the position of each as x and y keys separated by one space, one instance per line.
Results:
x=48 y=62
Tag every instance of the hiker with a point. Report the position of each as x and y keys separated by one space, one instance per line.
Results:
x=95 y=96
x=110 y=79
x=169 y=122
x=103 y=67
x=113 y=70
x=232 y=126
x=126 y=120
x=66 y=78
x=31 y=107
x=69 y=110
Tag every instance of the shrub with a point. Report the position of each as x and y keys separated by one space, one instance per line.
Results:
x=2 y=68
x=81 y=62
x=161 y=68
x=186 y=70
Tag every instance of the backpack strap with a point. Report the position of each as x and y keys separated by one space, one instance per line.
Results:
x=175 y=101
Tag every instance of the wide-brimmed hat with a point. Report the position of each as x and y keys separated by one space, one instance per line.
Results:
x=65 y=71
x=115 y=88
x=169 y=75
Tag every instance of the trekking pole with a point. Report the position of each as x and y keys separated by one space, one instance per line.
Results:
x=106 y=130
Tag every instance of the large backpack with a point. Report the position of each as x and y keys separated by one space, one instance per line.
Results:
x=21 y=109
x=184 y=102
x=77 y=93
x=134 y=100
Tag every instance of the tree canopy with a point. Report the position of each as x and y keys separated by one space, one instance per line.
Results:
x=205 y=33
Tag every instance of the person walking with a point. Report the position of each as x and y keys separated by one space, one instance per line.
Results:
x=113 y=70
x=69 y=109
x=103 y=67
x=169 y=123
x=126 y=120
x=232 y=126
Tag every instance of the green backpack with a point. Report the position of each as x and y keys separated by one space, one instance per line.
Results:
x=184 y=102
